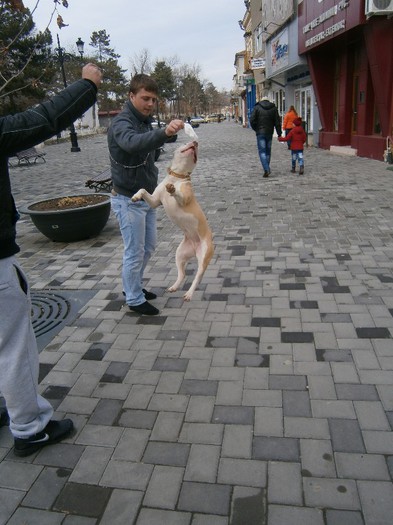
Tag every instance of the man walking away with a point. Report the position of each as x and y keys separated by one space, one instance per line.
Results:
x=264 y=118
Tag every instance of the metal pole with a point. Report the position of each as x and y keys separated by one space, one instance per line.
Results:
x=73 y=136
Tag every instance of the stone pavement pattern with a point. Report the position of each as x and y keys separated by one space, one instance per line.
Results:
x=268 y=399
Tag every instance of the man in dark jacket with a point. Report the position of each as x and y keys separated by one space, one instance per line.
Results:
x=132 y=144
x=29 y=414
x=264 y=118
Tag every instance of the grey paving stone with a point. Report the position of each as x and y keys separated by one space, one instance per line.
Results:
x=106 y=412
x=346 y=436
x=378 y=442
x=79 y=520
x=296 y=403
x=172 y=454
x=126 y=475
x=204 y=519
x=202 y=463
x=164 y=486
x=84 y=500
x=317 y=458
x=199 y=388
x=331 y=493
x=245 y=472
x=233 y=415
x=362 y=466
x=10 y=500
x=205 y=497
x=248 y=506
x=204 y=433
x=343 y=517
x=46 y=488
x=20 y=476
x=377 y=501
x=200 y=409
x=276 y=448
x=137 y=418
x=268 y=421
x=285 y=483
x=288 y=382
x=280 y=514
x=123 y=507
x=161 y=517
x=35 y=517
x=357 y=392
x=131 y=445
x=91 y=465
x=306 y=427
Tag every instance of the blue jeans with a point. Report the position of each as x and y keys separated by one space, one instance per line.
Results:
x=264 y=143
x=137 y=223
x=297 y=155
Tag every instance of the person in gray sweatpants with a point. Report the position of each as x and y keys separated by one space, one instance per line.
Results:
x=27 y=412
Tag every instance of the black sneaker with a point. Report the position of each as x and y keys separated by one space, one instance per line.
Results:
x=144 y=309
x=54 y=432
x=149 y=296
x=4 y=417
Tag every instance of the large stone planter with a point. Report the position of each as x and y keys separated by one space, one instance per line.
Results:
x=71 y=218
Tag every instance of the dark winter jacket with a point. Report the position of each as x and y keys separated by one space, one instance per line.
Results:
x=25 y=130
x=264 y=118
x=297 y=136
x=132 y=144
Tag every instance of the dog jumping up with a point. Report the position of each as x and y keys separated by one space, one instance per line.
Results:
x=176 y=194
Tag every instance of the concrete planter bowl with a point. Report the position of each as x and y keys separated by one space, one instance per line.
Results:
x=70 y=218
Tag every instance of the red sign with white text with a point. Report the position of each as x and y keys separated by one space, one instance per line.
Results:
x=322 y=20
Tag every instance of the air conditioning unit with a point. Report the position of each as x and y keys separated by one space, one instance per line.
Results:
x=379 y=7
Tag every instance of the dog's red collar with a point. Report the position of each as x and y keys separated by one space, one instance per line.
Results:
x=179 y=175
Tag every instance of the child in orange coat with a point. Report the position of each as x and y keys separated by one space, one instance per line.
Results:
x=297 y=137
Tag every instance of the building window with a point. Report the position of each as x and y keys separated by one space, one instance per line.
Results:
x=258 y=39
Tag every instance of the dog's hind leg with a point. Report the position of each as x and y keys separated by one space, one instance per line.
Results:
x=204 y=254
x=185 y=251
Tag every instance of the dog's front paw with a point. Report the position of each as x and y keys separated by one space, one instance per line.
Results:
x=137 y=196
x=170 y=188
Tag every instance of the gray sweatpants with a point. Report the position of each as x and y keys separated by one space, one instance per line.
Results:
x=19 y=365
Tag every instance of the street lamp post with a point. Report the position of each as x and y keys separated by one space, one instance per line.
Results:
x=74 y=138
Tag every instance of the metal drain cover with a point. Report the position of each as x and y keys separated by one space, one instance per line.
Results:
x=54 y=309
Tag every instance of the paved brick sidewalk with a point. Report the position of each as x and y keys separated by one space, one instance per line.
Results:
x=268 y=399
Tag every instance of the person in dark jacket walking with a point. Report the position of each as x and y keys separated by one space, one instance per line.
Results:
x=296 y=137
x=264 y=118
x=132 y=144
x=29 y=414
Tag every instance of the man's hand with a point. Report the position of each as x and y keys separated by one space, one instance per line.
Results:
x=174 y=127
x=93 y=73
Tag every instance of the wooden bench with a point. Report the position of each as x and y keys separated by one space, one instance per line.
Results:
x=29 y=156
x=101 y=182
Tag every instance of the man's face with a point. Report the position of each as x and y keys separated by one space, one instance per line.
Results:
x=144 y=101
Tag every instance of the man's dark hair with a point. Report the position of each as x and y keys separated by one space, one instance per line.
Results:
x=142 y=81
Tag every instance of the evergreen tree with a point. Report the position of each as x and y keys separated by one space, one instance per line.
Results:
x=114 y=88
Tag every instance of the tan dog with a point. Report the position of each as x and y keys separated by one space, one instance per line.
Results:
x=175 y=193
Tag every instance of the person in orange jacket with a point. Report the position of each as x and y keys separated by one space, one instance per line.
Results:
x=297 y=137
x=287 y=124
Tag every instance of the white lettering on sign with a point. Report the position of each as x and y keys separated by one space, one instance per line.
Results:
x=326 y=15
x=327 y=32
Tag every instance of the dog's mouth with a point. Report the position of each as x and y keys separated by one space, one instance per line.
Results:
x=193 y=148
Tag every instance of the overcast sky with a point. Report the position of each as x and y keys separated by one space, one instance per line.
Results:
x=203 y=32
